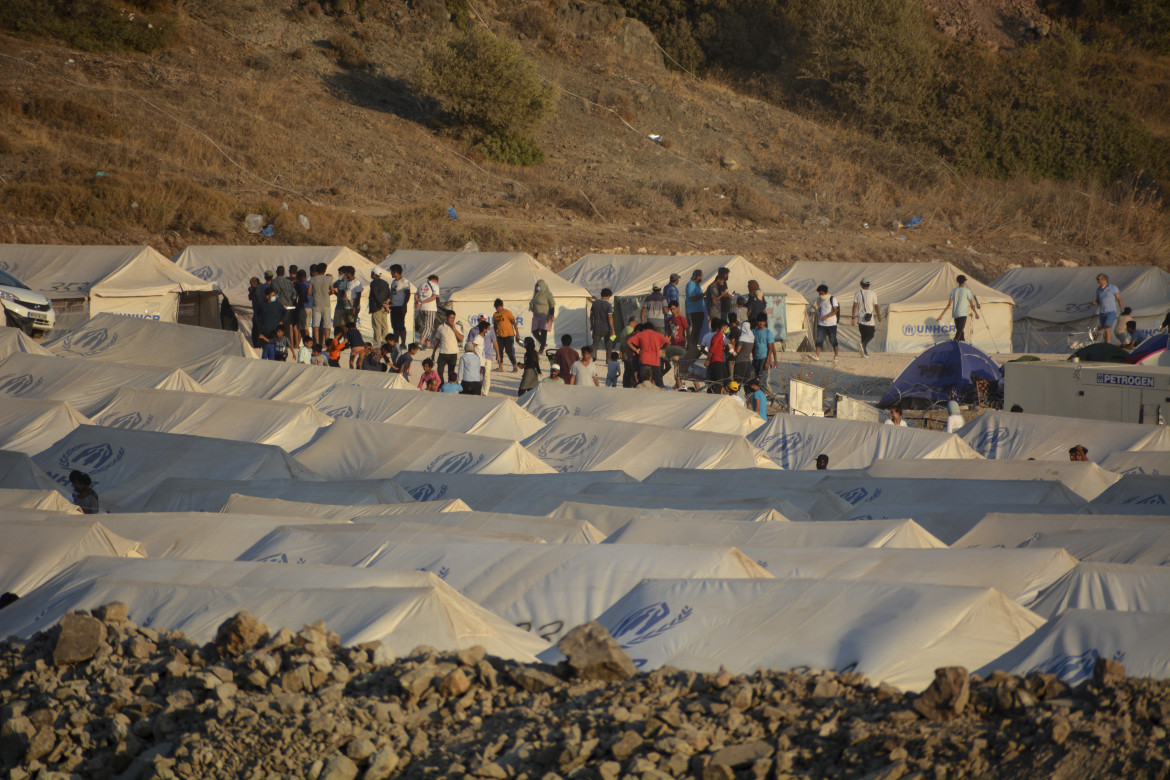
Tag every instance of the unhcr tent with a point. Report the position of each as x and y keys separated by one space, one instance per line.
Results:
x=294 y=382
x=690 y=411
x=826 y=533
x=482 y=415
x=231 y=267
x=1070 y=645
x=1126 y=463
x=400 y=609
x=1016 y=529
x=860 y=491
x=1087 y=480
x=633 y=276
x=351 y=449
x=585 y=444
x=1052 y=303
x=17 y=471
x=127 y=465
x=42 y=500
x=34 y=550
x=1151 y=351
x=260 y=505
x=283 y=424
x=470 y=281
x=505 y=492
x=86 y=385
x=546 y=529
x=794 y=442
x=114 y=338
x=946 y=371
x=1135 y=493
x=950 y=520
x=1119 y=587
x=610 y=518
x=209 y=536
x=135 y=281
x=185 y=494
x=1004 y=435
x=30 y=425
x=892 y=632
x=911 y=296
x=16 y=340
x=1147 y=545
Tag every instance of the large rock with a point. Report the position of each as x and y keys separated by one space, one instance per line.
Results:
x=80 y=638
x=947 y=696
x=239 y=634
x=593 y=654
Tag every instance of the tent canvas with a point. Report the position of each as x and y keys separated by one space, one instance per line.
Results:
x=295 y=382
x=259 y=505
x=546 y=529
x=1051 y=303
x=86 y=385
x=469 y=282
x=1087 y=480
x=794 y=442
x=865 y=491
x=16 y=340
x=399 y=609
x=187 y=494
x=114 y=338
x=43 y=500
x=950 y=520
x=1118 y=587
x=635 y=276
x=590 y=444
x=1147 y=545
x=794 y=505
x=35 y=550
x=18 y=471
x=1151 y=349
x=944 y=372
x=1125 y=463
x=825 y=533
x=689 y=411
x=29 y=425
x=897 y=633
x=135 y=281
x=481 y=415
x=280 y=423
x=1004 y=435
x=1137 y=493
x=610 y=518
x=209 y=536
x=504 y=492
x=352 y=449
x=911 y=296
x=1015 y=529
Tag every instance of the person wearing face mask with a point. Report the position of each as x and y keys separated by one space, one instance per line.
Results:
x=271 y=315
x=827 y=312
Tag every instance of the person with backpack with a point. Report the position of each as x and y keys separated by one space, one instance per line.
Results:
x=827 y=310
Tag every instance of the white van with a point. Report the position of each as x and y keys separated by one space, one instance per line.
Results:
x=24 y=308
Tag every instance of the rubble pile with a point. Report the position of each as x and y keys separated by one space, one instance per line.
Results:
x=98 y=697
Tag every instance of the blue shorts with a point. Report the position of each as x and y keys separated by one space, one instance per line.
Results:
x=1107 y=319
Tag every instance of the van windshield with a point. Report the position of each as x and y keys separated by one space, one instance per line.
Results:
x=8 y=280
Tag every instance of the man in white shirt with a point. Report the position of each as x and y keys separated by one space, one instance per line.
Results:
x=960 y=305
x=353 y=292
x=399 y=298
x=827 y=310
x=427 y=300
x=896 y=418
x=584 y=371
x=866 y=315
x=447 y=347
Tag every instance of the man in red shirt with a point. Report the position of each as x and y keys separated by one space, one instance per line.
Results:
x=647 y=344
x=676 y=330
x=717 y=357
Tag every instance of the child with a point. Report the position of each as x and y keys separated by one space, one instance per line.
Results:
x=277 y=347
x=429 y=373
x=433 y=383
x=305 y=350
x=613 y=369
x=318 y=358
x=336 y=345
x=402 y=364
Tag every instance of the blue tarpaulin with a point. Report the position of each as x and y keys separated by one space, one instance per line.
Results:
x=1155 y=343
x=943 y=372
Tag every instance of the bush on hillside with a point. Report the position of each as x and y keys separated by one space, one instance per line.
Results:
x=92 y=25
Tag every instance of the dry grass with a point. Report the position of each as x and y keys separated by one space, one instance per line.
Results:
x=350 y=53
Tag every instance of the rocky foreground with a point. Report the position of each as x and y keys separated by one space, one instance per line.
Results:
x=98 y=697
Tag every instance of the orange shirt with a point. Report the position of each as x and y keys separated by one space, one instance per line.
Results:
x=505 y=323
x=338 y=345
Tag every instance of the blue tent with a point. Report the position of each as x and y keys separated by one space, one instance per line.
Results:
x=943 y=372
x=1155 y=343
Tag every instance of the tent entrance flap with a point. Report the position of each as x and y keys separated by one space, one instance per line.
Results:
x=199 y=308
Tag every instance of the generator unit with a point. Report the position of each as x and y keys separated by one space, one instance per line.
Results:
x=1091 y=391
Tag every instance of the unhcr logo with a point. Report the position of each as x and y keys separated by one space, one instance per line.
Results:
x=1022 y=292
x=1073 y=669
x=427 y=492
x=926 y=330
x=859 y=494
x=1157 y=498
x=207 y=273
x=552 y=413
x=645 y=623
x=340 y=412
x=566 y=446
x=989 y=441
x=18 y=385
x=597 y=277
x=451 y=462
x=91 y=457
x=132 y=421
x=89 y=342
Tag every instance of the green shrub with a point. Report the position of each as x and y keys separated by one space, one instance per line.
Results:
x=91 y=25
x=510 y=149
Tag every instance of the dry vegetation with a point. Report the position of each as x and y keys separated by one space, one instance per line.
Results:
x=258 y=106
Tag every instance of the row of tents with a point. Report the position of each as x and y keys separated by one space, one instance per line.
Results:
x=1026 y=309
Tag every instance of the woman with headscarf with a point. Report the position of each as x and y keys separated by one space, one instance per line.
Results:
x=543 y=307
x=531 y=375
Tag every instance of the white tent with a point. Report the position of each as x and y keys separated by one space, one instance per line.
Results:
x=114 y=338
x=185 y=494
x=896 y=633
x=286 y=425
x=260 y=505
x=43 y=500
x=1010 y=529
x=611 y=518
x=911 y=296
x=950 y=520
x=15 y=340
x=826 y=533
x=209 y=536
x=1053 y=302
x=17 y=471
x=29 y=425
x=231 y=267
x=36 y=549
x=1070 y=645
x=482 y=415
x=506 y=492
x=1087 y=480
x=471 y=281
x=546 y=529
x=551 y=588
x=1017 y=436
x=136 y=281
x=1119 y=587
x=635 y=275
x=1136 y=493
x=587 y=444
x=127 y=465
x=294 y=382
x=689 y=411
x=1127 y=462
x=794 y=442
x=87 y=385
x=400 y=609
x=1147 y=545
x=860 y=491
x=352 y=449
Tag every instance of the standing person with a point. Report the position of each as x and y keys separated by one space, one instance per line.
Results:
x=83 y=493
x=670 y=291
x=566 y=355
x=286 y=294
x=718 y=296
x=305 y=350
x=955 y=419
x=757 y=401
x=866 y=314
x=1108 y=304
x=531 y=375
x=717 y=357
x=304 y=306
x=378 y=306
x=271 y=318
x=402 y=363
x=399 y=298
x=256 y=298
x=696 y=312
x=483 y=338
x=449 y=339
x=743 y=346
x=960 y=305
x=630 y=372
x=504 y=321
x=756 y=305
x=277 y=346
x=321 y=289
x=647 y=345
x=584 y=372
x=544 y=312
x=613 y=369
x=357 y=346
x=676 y=333
x=318 y=356
x=470 y=371
x=827 y=312
x=427 y=302
x=601 y=321
x=896 y=417
x=763 y=347
x=654 y=308
x=353 y=294
x=336 y=345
